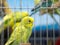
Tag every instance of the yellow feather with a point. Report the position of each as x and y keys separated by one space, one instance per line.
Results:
x=36 y=2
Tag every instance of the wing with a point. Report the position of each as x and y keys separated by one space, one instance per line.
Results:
x=57 y=11
x=16 y=35
x=26 y=35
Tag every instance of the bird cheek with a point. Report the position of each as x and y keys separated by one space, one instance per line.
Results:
x=30 y=25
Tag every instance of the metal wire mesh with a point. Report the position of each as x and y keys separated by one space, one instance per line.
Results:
x=37 y=38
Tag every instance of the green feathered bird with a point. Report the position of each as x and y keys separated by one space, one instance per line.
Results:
x=21 y=32
x=11 y=19
x=41 y=6
x=46 y=8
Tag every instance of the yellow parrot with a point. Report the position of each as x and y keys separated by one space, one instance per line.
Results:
x=11 y=19
x=21 y=32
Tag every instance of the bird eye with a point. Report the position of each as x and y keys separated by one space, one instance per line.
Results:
x=29 y=20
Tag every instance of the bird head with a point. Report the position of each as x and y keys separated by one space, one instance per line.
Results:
x=27 y=21
x=24 y=14
x=8 y=16
x=19 y=15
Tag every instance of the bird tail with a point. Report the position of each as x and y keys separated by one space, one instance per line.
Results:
x=54 y=19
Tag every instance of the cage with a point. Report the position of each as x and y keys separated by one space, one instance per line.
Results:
x=46 y=26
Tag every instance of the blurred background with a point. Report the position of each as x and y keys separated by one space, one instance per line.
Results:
x=45 y=30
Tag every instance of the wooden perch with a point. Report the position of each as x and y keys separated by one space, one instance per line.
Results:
x=25 y=44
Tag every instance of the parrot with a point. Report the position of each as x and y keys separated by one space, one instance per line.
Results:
x=56 y=6
x=11 y=19
x=41 y=6
x=21 y=32
x=15 y=25
x=54 y=10
x=46 y=9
